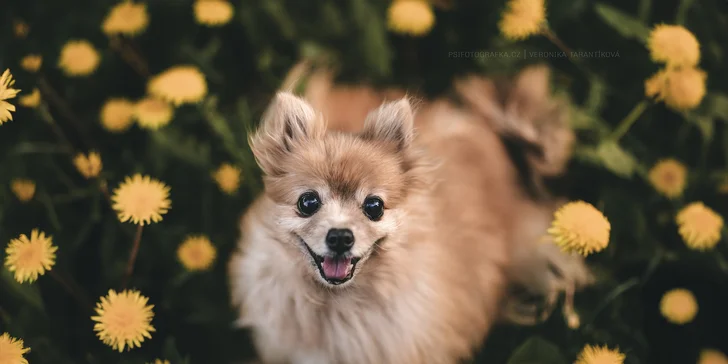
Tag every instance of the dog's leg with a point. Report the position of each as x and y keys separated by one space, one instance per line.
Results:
x=525 y=111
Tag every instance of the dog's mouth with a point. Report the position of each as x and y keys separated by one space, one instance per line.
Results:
x=334 y=269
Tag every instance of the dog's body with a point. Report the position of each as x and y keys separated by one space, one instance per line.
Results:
x=422 y=282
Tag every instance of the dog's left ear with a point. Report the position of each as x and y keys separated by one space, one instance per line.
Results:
x=393 y=122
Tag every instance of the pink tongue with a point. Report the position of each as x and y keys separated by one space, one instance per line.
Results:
x=335 y=268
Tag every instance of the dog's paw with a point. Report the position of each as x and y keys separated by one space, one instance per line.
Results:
x=538 y=282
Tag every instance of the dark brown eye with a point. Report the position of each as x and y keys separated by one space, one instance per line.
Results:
x=373 y=208
x=308 y=203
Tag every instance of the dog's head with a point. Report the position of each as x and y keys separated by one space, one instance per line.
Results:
x=338 y=196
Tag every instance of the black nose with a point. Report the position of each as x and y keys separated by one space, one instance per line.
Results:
x=340 y=240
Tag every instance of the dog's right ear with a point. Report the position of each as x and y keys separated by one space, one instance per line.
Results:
x=288 y=123
x=392 y=122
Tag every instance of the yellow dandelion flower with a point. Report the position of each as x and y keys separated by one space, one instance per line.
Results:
x=88 y=165
x=522 y=19
x=124 y=319
x=712 y=356
x=227 y=177
x=7 y=92
x=668 y=177
x=179 y=85
x=196 y=253
x=117 y=115
x=30 y=100
x=78 y=58
x=126 y=18
x=12 y=350
x=685 y=88
x=31 y=62
x=599 y=355
x=24 y=189
x=152 y=113
x=679 y=306
x=160 y=361
x=699 y=226
x=655 y=85
x=580 y=227
x=30 y=258
x=141 y=200
x=20 y=29
x=213 y=12
x=679 y=88
x=413 y=17
x=673 y=45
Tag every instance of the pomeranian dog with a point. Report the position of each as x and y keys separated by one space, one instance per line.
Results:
x=400 y=234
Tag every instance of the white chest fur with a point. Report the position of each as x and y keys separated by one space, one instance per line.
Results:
x=293 y=325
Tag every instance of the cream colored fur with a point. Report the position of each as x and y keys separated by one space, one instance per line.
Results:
x=434 y=275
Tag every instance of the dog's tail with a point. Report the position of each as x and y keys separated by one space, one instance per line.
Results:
x=524 y=112
x=345 y=107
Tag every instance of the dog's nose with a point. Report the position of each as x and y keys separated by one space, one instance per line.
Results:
x=340 y=240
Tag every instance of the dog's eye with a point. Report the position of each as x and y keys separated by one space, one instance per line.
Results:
x=308 y=203
x=373 y=207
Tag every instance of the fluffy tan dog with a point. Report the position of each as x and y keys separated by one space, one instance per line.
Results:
x=399 y=240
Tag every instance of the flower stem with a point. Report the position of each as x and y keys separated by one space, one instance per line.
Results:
x=104 y=188
x=551 y=36
x=130 y=56
x=80 y=298
x=132 y=256
x=67 y=147
x=49 y=93
x=629 y=120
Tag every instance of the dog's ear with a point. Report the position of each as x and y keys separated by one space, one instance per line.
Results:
x=531 y=91
x=288 y=123
x=393 y=122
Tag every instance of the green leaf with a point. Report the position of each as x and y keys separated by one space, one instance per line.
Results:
x=725 y=143
x=204 y=58
x=597 y=95
x=616 y=159
x=277 y=10
x=537 y=351
x=587 y=154
x=682 y=11
x=112 y=262
x=171 y=353
x=206 y=54
x=581 y=119
x=48 y=352
x=644 y=10
x=82 y=234
x=704 y=124
x=265 y=59
x=51 y=210
x=333 y=19
x=627 y=25
x=374 y=38
x=221 y=126
x=716 y=105
x=182 y=146
x=27 y=292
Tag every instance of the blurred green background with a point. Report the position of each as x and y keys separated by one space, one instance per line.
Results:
x=245 y=61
